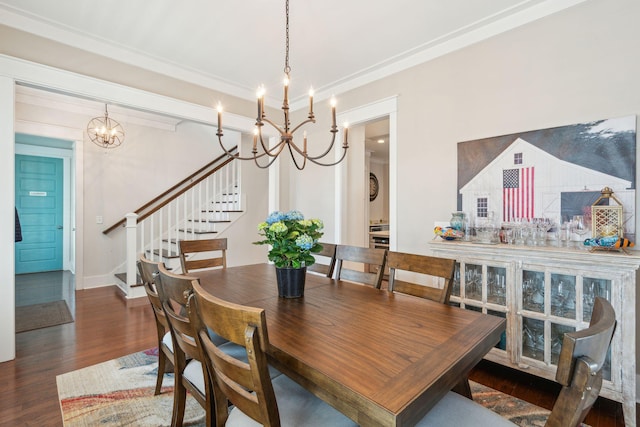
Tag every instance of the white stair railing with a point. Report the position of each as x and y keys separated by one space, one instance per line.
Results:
x=202 y=211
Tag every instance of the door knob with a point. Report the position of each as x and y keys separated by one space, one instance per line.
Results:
x=59 y=227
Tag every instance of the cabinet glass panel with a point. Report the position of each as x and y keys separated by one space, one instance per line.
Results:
x=496 y=285
x=502 y=344
x=533 y=291
x=533 y=338
x=473 y=282
x=455 y=291
x=592 y=288
x=557 y=335
x=563 y=296
x=473 y=308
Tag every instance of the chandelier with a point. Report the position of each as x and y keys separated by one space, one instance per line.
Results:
x=105 y=132
x=298 y=153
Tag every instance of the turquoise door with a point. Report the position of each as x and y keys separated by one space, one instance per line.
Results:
x=39 y=202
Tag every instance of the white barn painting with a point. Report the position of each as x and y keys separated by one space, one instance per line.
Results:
x=552 y=173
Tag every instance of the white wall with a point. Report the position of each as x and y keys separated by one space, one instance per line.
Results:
x=7 y=218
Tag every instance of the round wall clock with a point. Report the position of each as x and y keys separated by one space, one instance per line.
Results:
x=373 y=187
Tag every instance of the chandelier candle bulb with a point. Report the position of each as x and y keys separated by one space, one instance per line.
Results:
x=345 y=142
x=311 y=103
x=219 y=118
x=260 y=95
x=333 y=111
x=255 y=141
x=285 y=103
x=304 y=142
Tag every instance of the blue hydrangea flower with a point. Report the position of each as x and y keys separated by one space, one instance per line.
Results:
x=304 y=242
x=294 y=216
x=275 y=216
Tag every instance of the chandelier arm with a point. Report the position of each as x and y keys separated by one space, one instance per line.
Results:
x=293 y=157
x=333 y=141
x=237 y=156
x=264 y=166
x=275 y=126
x=302 y=124
x=277 y=149
x=313 y=160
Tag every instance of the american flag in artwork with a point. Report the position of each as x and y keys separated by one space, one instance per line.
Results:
x=517 y=193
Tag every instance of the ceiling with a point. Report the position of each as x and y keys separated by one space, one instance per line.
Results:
x=235 y=46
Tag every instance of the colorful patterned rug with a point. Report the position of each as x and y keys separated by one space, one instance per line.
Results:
x=120 y=392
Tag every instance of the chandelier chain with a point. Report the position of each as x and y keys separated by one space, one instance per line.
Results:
x=287 y=68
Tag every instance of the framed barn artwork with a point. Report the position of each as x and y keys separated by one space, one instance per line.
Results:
x=553 y=173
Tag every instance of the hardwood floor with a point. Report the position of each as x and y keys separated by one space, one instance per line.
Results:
x=106 y=328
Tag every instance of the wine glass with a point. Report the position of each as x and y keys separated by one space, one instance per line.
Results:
x=579 y=227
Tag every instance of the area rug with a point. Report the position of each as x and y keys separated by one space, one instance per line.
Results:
x=37 y=316
x=120 y=392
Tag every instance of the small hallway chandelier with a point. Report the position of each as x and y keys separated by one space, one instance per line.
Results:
x=105 y=132
x=299 y=154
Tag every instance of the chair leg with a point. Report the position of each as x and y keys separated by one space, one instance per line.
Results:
x=179 y=401
x=463 y=388
x=162 y=363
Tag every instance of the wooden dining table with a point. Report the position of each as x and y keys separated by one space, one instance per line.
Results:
x=381 y=358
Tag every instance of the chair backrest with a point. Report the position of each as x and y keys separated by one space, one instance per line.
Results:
x=580 y=367
x=425 y=266
x=328 y=251
x=372 y=258
x=148 y=270
x=174 y=291
x=191 y=249
x=246 y=385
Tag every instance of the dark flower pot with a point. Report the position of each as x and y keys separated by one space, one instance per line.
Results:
x=291 y=282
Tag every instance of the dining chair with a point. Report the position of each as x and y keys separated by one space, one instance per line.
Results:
x=246 y=384
x=192 y=258
x=148 y=271
x=327 y=253
x=579 y=372
x=189 y=373
x=369 y=258
x=427 y=267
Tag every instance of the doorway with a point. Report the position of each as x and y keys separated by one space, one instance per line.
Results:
x=45 y=200
x=345 y=188
x=376 y=219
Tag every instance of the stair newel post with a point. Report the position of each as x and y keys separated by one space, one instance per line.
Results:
x=132 y=253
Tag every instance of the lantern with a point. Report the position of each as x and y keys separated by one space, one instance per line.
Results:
x=606 y=215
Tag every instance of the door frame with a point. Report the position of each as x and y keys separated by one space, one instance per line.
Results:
x=72 y=181
x=387 y=107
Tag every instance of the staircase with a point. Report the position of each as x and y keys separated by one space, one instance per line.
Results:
x=201 y=206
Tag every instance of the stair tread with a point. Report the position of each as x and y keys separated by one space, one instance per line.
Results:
x=123 y=277
x=198 y=231
x=166 y=254
x=211 y=221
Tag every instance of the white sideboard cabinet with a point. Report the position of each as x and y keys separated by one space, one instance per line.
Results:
x=544 y=292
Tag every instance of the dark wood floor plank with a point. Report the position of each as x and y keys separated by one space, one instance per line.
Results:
x=105 y=328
